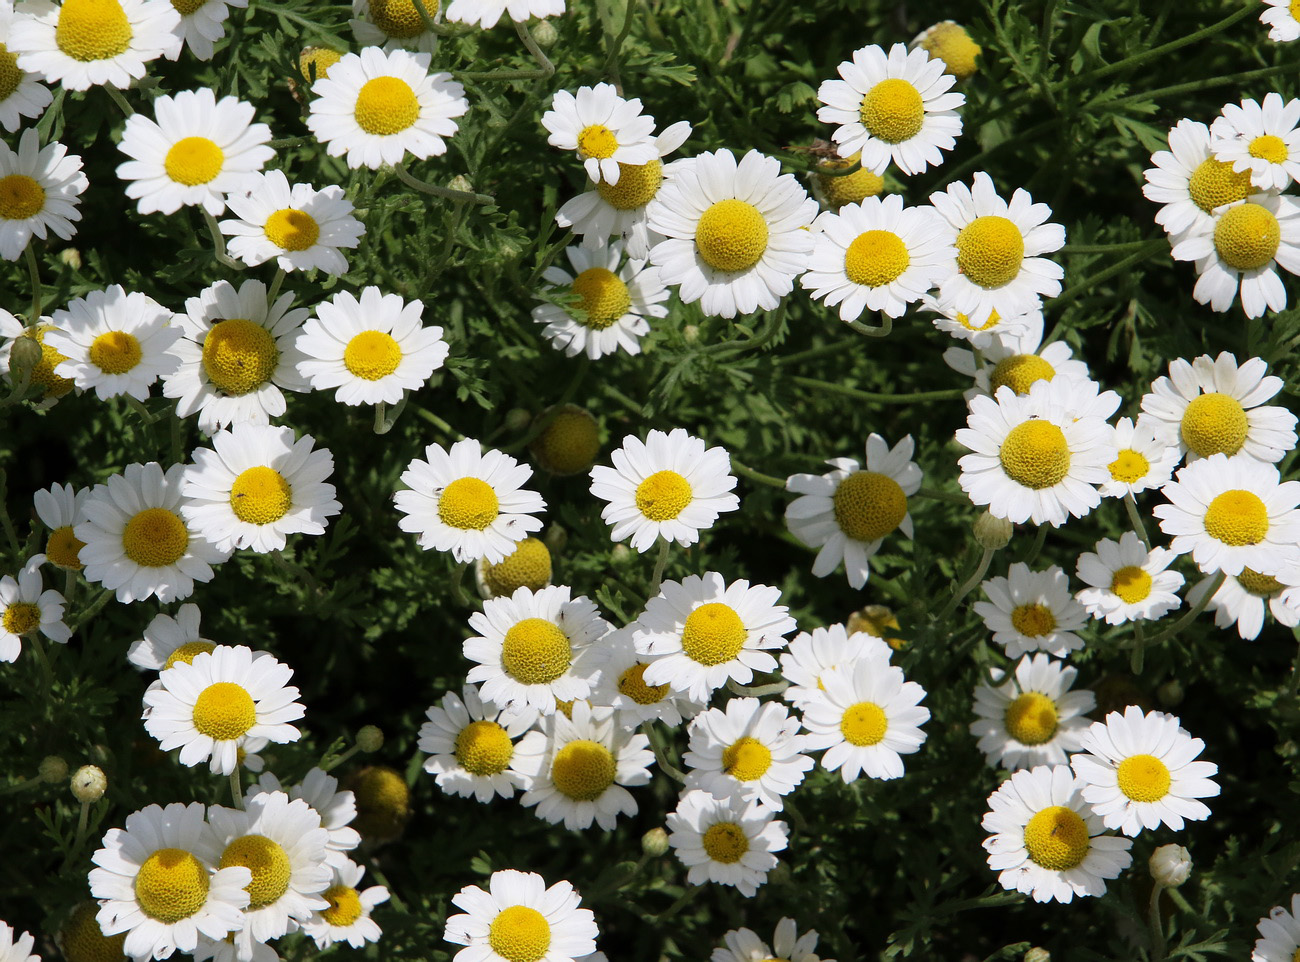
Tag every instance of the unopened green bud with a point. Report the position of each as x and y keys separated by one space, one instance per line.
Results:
x=370 y=739
x=621 y=554
x=992 y=533
x=517 y=419
x=23 y=357
x=89 y=784
x=71 y=257
x=53 y=769
x=691 y=333
x=655 y=842
x=545 y=33
x=462 y=183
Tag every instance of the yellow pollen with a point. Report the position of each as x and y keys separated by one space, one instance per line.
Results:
x=951 y=43
x=1214 y=183
x=632 y=684
x=484 y=748
x=1132 y=584
x=1031 y=719
x=64 y=549
x=1020 y=372
x=850 y=188
x=536 y=652
x=386 y=105
x=171 y=885
x=187 y=8
x=315 y=62
x=1143 y=778
x=1262 y=586
x=260 y=495
x=469 y=504
x=92 y=29
x=291 y=229
x=344 y=902
x=725 y=842
x=1057 y=838
x=875 y=258
x=868 y=505
x=569 y=443
x=193 y=160
x=892 y=111
x=601 y=296
x=82 y=940
x=1129 y=467
x=188 y=652
x=1033 y=621
x=1247 y=237
x=990 y=250
x=239 y=356
x=965 y=322
x=372 y=355
x=43 y=374
x=11 y=74
x=21 y=617
x=115 y=352
x=583 y=769
x=731 y=236
x=1237 y=518
x=155 y=538
x=520 y=934
x=224 y=711
x=864 y=724
x=528 y=566
x=399 y=18
x=21 y=197
x=1269 y=147
x=713 y=634
x=663 y=496
x=268 y=862
x=597 y=141
x=636 y=187
x=746 y=759
x=1035 y=454
x=1214 y=424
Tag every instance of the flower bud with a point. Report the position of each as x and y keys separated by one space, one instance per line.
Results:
x=654 y=842
x=569 y=443
x=948 y=41
x=691 y=333
x=1037 y=954
x=556 y=537
x=370 y=738
x=992 y=533
x=89 y=784
x=1170 y=865
x=462 y=183
x=71 y=257
x=517 y=419
x=53 y=769
x=25 y=354
x=545 y=33
x=620 y=554
x=1170 y=694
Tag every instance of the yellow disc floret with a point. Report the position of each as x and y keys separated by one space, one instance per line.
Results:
x=291 y=229
x=1031 y=719
x=171 y=885
x=663 y=496
x=1269 y=147
x=1237 y=518
x=520 y=934
x=1131 y=584
x=1129 y=467
x=1143 y=778
x=990 y=250
x=636 y=187
x=1033 y=621
x=399 y=18
x=82 y=940
x=569 y=443
x=1035 y=454
x=847 y=188
x=875 y=258
x=43 y=374
x=260 y=495
x=187 y=7
x=949 y=42
x=469 y=504
x=965 y=322
x=1214 y=183
x=188 y=652
x=383 y=802
x=1247 y=237
x=1020 y=372
x=385 y=106
x=746 y=759
x=1214 y=423
x=1057 y=838
x=224 y=711
x=21 y=617
x=713 y=634
x=893 y=111
x=193 y=160
x=528 y=566
x=1261 y=586
x=21 y=197
x=725 y=842
x=155 y=538
x=269 y=863
x=239 y=356
x=536 y=652
x=864 y=724
x=63 y=548
x=602 y=296
x=115 y=352
x=372 y=355
x=631 y=683
x=597 y=141
x=315 y=62
x=344 y=904
x=484 y=748
x=92 y=30
x=868 y=505
x=583 y=770
x=731 y=236
x=11 y=75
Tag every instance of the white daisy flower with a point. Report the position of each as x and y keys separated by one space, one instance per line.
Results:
x=1284 y=27
x=996 y=330
x=168 y=640
x=40 y=190
x=747 y=747
x=486 y=13
x=669 y=486
x=734 y=232
x=1240 y=601
x=1232 y=514
x=811 y=655
x=203 y=23
x=1019 y=361
x=1044 y=839
x=61 y=508
x=1128 y=581
x=725 y=840
x=237 y=356
x=393 y=25
x=847 y=513
x=160 y=881
x=1032 y=719
x=78 y=44
x=1032 y=611
x=1146 y=459
x=702 y=632
x=620 y=684
x=744 y=945
x=48 y=387
x=894 y=106
x=347 y=919
x=377 y=107
x=16 y=949
x=998 y=267
x=1279 y=931
x=471 y=746
x=1263 y=140
x=1189 y=183
x=467 y=502
x=605 y=130
x=301 y=227
x=136 y=542
x=27 y=607
x=337 y=810
x=530 y=649
x=22 y=95
x=519 y=919
x=1138 y=772
x=208 y=706
x=1214 y=406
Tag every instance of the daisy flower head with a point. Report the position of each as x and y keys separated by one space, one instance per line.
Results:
x=519 y=919
x=948 y=41
x=725 y=840
x=40 y=190
x=847 y=513
x=376 y=107
x=1033 y=718
x=1279 y=931
x=892 y=107
x=530 y=649
x=486 y=13
x=393 y=24
x=136 y=540
x=668 y=486
x=996 y=330
x=27 y=607
x=1128 y=581
x=1019 y=361
x=833 y=190
x=1260 y=139
x=998 y=264
x=811 y=655
x=1032 y=611
x=734 y=232
x=1284 y=27
x=22 y=95
x=161 y=880
x=208 y=706
x=203 y=23
x=1147 y=457
x=48 y=387
x=61 y=507
x=336 y=808
x=471 y=746
x=605 y=130
x=1232 y=514
x=620 y=684
x=602 y=307
x=744 y=945
x=701 y=632
x=747 y=747
x=347 y=919
x=1190 y=183
x=1241 y=602
x=301 y=227
x=79 y=44
x=467 y=502
x=168 y=640
x=1035 y=457
x=1215 y=406
x=1138 y=771
x=527 y=566
x=79 y=938
x=1044 y=839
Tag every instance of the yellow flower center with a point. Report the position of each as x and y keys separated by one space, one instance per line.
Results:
x=1035 y=454
x=268 y=862
x=193 y=160
x=583 y=769
x=1132 y=584
x=597 y=141
x=850 y=188
x=224 y=711
x=468 y=504
x=386 y=105
x=1262 y=586
x=1057 y=838
x=21 y=617
x=260 y=495
x=951 y=43
x=43 y=374
x=155 y=538
x=636 y=187
x=528 y=566
x=372 y=355
x=536 y=652
x=1033 y=621
x=725 y=842
x=570 y=442
x=990 y=250
x=713 y=634
x=187 y=8
x=965 y=322
x=11 y=74
x=1214 y=424
x=239 y=356
x=82 y=940
x=1269 y=147
x=602 y=297
x=746 y=759
x=188 y=652
x=115 y=352
x=344 y=901
x=875 y=258
x=892 y=111
x=520 y=934
x=399 y=18
x=663 y=495
x=868 y=505
x=20 y=197
x=171 y=885
x=1237 y=518
x=1214 y=183
x=92 y=30
x=64 y=549
x=1247 y=237
x=1031 y=719
x=383 y=801
x=315 y=62
x=291 y=229
x=1143 y=778
x=864 y=724
x=484 y=748
x=731 y=236
x=1129 y=467
x=632 y=684
x=1020 y=372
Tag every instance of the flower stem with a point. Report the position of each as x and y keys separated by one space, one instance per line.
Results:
x=236 y=787
x=119 y=98
x=667 y=767
x=616 y=44
x=274 y=291
x=5 y=521
x=34 y=273
x=757 y=476
x=1154 y=925
x=1188 y=618
x=1120 y=247
x=384 y=424
x=543 y=61
x=1088 y=283
x=918 y=397
x=886 y=326
x=464 y=196
x=1040 y=537
x=661 y=562
x=437 y=422
x=219 y=243
x=1140 y=529
x=967 y=586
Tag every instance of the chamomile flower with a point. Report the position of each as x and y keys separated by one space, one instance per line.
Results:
x=27 y=607
x=725 y=840
x=347 y=918
x=1241 y=601
x=255 y=486
x=847 y=513
x=811 y=655
x=471 y=746
x=530 y=648
x=237 y=356
x=1146 y=458
x=61 y=507
x=394 y=24
x=337 y=809
x=1018 y=361
x=1284 y=27
x=1262 y=140
x=486 y=13
x=747 y=747
x=519 y=919
x=40 y=190
x=1138 y=771
x=168 y=640
x=467 y=502
x=199 y=150
x=208 y=706
x=1189 y=183
x=1033 y=718
x=377 y=107
x=996 y=330
x=22 y=95
x=78 y=44
x=833 y=190
x=1279 y=931
x=527 y=566
x=701 y=632
x=896 y=106
x=948 y=41
x=1128 y=581
x=1032 y=611
x=744 y=945
x=1044 y=839
x=605 y=130
x=48 y=387
x=203 y=23
x=608 y=305
x=734 y=232
x=669 y=486
x=16 y=949
x=301 y=227
x=620 y=684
